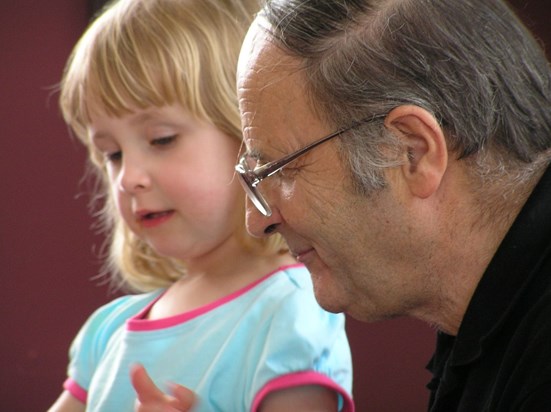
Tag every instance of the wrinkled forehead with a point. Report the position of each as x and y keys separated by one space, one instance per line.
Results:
x=270 y=86
x=255 y=51
x=258 y=66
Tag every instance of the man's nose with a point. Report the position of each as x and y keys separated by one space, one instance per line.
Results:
x=259 y=225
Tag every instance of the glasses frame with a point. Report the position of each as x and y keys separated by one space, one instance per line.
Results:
x=251 y=178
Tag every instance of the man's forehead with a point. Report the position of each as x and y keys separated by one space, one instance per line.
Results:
x=268 y=101
x=252 y=48
x=270 y=90
x=261 y=61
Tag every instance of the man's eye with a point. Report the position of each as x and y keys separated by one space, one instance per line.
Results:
x=257 y=163
x=256 y=160
x=288 y=172
x=250 y=161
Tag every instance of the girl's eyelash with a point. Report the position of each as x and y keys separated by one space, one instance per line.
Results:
x=161 y=141
x=113 y=157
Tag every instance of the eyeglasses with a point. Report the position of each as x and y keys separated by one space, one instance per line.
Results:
x=250 y=175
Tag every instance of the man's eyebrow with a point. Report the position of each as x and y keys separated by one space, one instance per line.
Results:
x=255 y=153
x=260 y=152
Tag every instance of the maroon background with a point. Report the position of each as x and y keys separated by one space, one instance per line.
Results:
x=47 y=263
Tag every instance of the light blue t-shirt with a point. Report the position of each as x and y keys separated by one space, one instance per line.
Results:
x=232 y=352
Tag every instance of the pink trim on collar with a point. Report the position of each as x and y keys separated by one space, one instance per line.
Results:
x=137 y=323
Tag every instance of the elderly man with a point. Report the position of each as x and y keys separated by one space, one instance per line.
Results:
x=402 y=149
x=428 y=196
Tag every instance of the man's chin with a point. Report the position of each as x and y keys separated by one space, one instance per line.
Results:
x=329 y=306
x=326 y=299
x=325 y=289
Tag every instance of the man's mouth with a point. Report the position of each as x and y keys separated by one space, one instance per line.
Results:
x=302 y=255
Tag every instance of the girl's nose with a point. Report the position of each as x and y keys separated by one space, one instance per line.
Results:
x=133 y=177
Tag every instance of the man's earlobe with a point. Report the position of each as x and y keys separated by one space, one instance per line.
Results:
x=426 y=152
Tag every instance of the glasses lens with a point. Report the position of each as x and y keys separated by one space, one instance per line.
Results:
x=249 y=180
x=252 y=192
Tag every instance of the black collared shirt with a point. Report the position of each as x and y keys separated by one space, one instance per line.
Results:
x=501 y=357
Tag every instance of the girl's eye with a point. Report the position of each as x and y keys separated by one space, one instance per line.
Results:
x=163 y=141
x=113 y=157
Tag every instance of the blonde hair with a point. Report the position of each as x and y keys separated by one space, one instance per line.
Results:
x=143 y=53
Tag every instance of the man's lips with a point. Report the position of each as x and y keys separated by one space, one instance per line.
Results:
x=303 y=254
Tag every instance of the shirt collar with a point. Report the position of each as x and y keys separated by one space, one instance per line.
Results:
x=507 y=275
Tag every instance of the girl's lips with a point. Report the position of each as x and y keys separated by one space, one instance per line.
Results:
x=152 y=219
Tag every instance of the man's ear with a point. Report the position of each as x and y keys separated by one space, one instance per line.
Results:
x=427 y=152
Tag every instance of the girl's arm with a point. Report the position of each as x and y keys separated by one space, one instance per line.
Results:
x=301 y=398
x=67 y=403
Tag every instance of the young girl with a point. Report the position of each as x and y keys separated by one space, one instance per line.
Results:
x=150 y=90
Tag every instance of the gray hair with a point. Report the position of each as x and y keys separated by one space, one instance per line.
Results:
x=471 y=63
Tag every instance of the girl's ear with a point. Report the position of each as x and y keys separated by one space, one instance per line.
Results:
x=427 y=152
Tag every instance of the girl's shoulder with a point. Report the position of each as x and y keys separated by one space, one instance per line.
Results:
x=292 y=281
x=94 y=336
x=123 y=304
x=289 y=297
x=298 y=274
x=116 y=313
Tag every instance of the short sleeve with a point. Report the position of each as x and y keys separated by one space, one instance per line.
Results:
x=304 y=345
x=93 y=338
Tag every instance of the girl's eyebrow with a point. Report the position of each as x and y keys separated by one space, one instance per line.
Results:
x=99 y=135
x=142 y=118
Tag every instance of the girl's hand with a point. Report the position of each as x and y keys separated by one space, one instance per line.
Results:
x=152 y=399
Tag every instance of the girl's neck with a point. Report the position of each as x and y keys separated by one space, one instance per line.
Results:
x=200 y=287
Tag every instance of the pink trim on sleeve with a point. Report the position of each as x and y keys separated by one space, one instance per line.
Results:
x=76 y=390
x=303 y=379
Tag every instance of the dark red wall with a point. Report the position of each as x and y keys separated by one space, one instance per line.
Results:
x=47 y=260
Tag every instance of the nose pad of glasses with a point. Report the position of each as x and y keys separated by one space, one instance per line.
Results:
x=248 y=181
x=262 y=207
x=257 y=199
